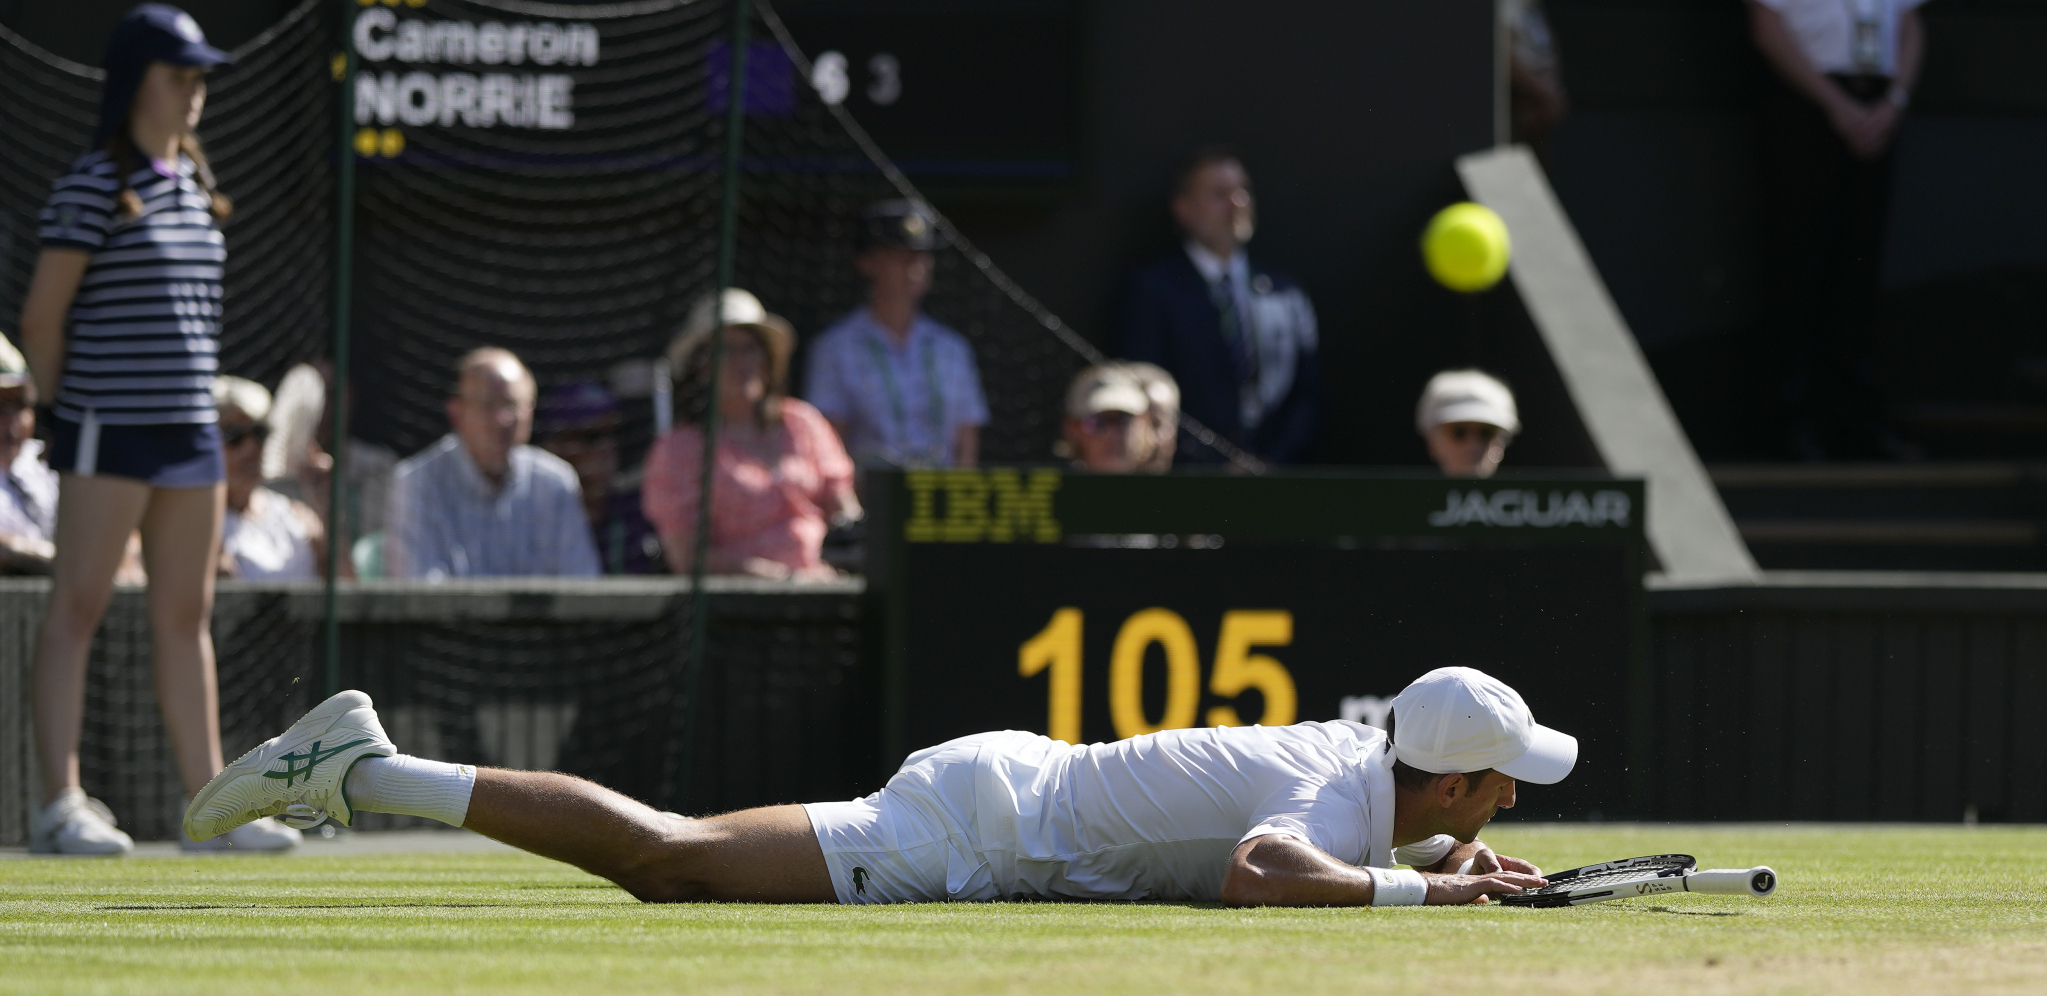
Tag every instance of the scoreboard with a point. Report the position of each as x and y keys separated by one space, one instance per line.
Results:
x=955 y=91
x=1095 y=608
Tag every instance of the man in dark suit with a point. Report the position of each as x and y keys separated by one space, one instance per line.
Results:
x=1239 y=338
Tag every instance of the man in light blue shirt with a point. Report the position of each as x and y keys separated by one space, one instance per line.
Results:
x=902 y=390
x=480 y=502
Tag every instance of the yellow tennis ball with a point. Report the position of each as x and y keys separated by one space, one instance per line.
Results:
x=1466 y=247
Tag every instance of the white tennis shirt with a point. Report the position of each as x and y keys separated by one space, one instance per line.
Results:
x=1156 y=817
x=1831 y=33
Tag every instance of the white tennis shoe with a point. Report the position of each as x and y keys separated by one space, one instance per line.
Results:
x=297 y=776
x=262 y=835
x=74 y=823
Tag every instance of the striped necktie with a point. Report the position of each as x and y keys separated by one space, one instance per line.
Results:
x=1242 y=349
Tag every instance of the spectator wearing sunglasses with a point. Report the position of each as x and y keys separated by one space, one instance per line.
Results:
x=264 y=535
x=579 y=422
x=1467 y=417
x=1120 y=419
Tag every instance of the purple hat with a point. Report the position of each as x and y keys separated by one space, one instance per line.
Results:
x=153 y=32
x=574 y=406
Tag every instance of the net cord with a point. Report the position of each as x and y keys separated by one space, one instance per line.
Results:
x=237 y=54
x=1010 y=288
x=728 y=236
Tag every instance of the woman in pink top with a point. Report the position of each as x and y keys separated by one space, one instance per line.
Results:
x=782 y=475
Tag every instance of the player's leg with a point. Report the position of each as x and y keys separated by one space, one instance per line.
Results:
x=181 y=550
x=337 y=761
x=94 y=516
x=767 y=855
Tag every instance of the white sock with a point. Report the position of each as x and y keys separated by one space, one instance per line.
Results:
x=411 y=786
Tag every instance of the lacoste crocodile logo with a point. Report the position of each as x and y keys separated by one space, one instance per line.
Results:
x=860 y=881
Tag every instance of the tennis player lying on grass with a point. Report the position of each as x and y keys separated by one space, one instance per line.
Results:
x=1314 y=814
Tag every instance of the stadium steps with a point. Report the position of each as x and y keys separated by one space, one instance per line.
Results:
x=1929 y=517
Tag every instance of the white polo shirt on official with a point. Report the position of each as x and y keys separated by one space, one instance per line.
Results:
x=1851 y=37
x=1016 y=815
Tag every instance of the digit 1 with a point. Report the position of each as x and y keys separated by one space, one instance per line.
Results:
x=1057 y=646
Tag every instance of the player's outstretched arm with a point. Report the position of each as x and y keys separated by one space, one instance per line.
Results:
x=1276 y=870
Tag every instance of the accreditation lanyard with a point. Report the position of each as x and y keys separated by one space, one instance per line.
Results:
x=934 y=401
x=1865 y=44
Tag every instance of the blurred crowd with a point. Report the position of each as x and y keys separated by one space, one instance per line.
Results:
x=531 y=482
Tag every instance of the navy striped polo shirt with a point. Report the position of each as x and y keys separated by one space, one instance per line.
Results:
x=144 y=341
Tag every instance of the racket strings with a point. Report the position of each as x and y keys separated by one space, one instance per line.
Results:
x=1637 y=870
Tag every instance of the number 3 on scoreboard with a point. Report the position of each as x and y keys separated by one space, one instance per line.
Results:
x=1236 y=671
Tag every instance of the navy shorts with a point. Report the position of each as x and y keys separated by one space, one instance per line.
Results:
x=176 y=455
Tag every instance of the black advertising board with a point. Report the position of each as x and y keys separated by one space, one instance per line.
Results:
x=1096 y=607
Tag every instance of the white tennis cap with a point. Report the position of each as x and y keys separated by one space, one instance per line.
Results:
x=1457 y=719
x=1466 y=396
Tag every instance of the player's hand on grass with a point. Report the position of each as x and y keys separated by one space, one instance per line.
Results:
x=1458 y=890
x=1482 y=861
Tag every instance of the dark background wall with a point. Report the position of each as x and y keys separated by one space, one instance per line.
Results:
x=1657 y=166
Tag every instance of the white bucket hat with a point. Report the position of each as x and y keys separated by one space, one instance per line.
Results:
x=1457 y=719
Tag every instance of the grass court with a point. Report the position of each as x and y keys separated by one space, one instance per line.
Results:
x=1862 y=909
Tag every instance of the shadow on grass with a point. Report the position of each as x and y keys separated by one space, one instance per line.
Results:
x=1672 y=912
x=311 y=906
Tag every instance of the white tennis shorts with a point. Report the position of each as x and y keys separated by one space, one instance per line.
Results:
x=915 y=841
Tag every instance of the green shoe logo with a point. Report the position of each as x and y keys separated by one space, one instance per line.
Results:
x=313 y=756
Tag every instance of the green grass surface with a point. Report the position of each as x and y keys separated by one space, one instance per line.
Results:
x=1868 y=910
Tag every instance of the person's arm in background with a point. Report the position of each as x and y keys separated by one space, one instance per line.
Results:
x=402 y=540
x=973 y=413
x=50 y=292
x=966 y=445
x=835 y=469
x=24 y=554
x=824 y=389
x=1911 y=51
x=316 y=533
x=1867 y=130
x=575 y=548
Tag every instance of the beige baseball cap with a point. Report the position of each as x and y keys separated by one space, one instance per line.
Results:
x=1107 y=388
x=1466 y=396
x=1457 y=719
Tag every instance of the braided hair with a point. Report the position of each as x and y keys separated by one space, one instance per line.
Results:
x=121 y=146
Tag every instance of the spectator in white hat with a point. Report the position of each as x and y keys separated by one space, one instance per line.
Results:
x=1467 y=417
x=1119 y=419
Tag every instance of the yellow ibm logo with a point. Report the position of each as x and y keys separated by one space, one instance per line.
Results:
x=993 y=506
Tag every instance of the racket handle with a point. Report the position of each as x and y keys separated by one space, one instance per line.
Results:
x=1758 y=881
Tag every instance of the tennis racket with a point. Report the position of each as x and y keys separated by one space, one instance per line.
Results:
x=1645 y=876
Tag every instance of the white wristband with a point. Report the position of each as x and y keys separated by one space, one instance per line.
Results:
x=1398 y=887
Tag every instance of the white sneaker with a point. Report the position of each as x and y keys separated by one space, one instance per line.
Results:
x=262 y=835
x=74 y=823
x=297 y=776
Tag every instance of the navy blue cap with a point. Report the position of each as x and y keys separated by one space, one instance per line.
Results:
x=153 y=32
x=899 y=224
